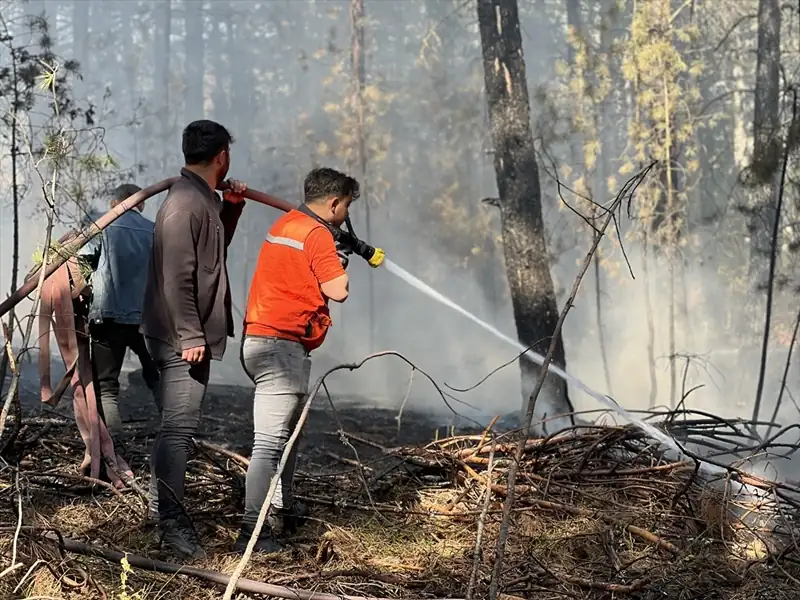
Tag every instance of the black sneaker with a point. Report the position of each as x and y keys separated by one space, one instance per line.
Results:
x=266 y=543
x=181 y=538
x=286 y=521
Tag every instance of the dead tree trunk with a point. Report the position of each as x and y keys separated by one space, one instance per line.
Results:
x=766 y=136
x=13 y=124
x=161 y=81
x=766 y=169
x=80 y=31
x=520 y=201
x=357 y=18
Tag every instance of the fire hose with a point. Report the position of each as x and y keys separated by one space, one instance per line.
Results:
x=63 y=288
x=348 y=239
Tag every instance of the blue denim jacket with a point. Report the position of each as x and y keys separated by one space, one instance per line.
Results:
x=122 y=254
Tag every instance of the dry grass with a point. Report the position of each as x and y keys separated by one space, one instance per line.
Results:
x=592 y=520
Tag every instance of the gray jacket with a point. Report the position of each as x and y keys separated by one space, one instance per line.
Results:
x=121 y=253
x=187 y=297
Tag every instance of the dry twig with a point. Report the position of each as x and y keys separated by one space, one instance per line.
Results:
x=610 y=215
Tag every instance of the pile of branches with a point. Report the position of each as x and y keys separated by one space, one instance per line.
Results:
x=598 y=510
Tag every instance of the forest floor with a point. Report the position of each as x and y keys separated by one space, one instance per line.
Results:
x=396 y=515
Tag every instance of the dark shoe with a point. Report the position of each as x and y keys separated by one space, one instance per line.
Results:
x=181 y=538
x=286 y=521
x=266 y=543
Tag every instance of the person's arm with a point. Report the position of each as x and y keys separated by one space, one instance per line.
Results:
x=337 y=289
x=229 y=215
x=90 y=253
x=326 y=266
x=179 y=235
x=232 y=206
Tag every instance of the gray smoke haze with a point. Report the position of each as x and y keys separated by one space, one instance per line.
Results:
x=274 y=87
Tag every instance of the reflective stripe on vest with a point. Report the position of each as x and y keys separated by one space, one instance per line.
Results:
x=284 y=241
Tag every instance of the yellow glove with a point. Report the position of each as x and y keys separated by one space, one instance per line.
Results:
x=377 y=258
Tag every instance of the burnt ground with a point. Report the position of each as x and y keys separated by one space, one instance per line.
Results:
x=328 y=472
x=598 y=515
x=228 y=420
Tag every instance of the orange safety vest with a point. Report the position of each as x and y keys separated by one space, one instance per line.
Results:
x=285 y=298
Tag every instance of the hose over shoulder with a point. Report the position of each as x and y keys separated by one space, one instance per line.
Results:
x=262 y=198
x=83 y=237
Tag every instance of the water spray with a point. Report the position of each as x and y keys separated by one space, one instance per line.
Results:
x=527 y=353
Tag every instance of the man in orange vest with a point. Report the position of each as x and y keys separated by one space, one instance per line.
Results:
x=299 y=269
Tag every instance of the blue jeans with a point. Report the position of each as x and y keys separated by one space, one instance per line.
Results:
x=181 y=388
x=280 y=370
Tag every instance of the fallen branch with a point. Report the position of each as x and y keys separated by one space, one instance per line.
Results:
x=243 y=461
x=90 y=480
x=477 y=555
x=580 y=512
x=245 y=585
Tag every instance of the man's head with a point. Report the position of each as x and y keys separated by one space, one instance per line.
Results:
x=329 y=194
x=121 y=192
x=206 y=147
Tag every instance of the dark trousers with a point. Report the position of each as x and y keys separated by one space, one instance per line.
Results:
x=110 y=341
x=182 y=388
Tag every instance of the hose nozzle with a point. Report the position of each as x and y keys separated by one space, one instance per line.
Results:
x=376 y=260
x=373 y=256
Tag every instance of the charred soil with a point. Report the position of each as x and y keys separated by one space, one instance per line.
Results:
x=394 y=514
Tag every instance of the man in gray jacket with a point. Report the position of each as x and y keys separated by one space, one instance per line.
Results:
x=119 y=257
x=187 y=317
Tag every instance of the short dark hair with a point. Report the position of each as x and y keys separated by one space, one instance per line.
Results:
x=203 y=140
x=324 y=182
x=122 y=192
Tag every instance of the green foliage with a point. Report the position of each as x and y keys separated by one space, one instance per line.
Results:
x=51 y=128
x=123 y=578
x=343 y=121
x=658 y=67
x=59 y=251
x=585 y=87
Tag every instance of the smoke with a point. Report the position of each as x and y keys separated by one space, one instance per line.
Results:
x=429 y=167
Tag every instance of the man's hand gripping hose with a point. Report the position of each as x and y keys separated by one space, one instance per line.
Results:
x=347 y=241
x=373 y=256
x=343 y=254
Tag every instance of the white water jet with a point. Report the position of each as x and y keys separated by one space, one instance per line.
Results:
x=653 y=432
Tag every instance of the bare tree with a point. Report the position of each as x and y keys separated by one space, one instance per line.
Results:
x=520 y=198
x=161 y=59
x=766 y=135
x=195 y=63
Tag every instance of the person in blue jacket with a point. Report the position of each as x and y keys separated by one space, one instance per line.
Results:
x=120 y=257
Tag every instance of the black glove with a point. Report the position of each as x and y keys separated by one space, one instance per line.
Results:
x=343 y=252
